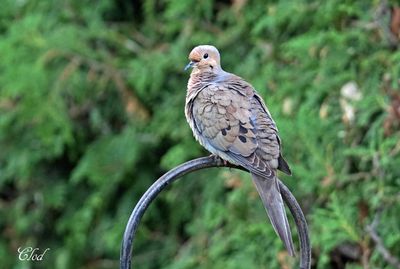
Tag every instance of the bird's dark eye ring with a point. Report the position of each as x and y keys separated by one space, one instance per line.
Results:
x=205 y=56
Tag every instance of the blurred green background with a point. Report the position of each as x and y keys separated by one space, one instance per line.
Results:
x=91 y=113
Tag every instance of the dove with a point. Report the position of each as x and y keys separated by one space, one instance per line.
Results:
x=230 y=119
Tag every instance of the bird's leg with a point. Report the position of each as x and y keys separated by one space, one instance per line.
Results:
x=219 y=160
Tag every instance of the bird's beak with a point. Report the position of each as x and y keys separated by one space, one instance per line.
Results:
x=190 y=65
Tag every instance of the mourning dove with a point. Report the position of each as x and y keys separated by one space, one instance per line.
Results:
x=230 y=119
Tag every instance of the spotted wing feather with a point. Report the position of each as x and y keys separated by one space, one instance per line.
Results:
x=231 y=119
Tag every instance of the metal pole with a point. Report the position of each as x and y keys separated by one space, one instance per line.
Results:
x=194 y=165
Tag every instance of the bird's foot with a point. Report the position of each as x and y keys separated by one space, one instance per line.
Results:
x=219 y=160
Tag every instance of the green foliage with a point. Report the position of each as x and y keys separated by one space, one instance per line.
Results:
x=91 y=113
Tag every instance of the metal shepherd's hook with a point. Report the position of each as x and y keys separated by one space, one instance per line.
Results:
x=194 y=165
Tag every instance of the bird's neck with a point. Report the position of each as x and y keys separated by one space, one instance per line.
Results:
x=201 y=78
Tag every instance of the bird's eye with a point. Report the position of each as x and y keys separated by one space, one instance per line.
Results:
x=205 y=56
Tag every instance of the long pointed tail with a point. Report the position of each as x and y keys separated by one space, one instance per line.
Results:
x=273 y=203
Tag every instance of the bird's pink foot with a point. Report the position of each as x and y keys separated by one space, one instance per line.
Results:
x=219 y=160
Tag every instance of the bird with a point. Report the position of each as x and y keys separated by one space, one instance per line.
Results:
x=230 y=119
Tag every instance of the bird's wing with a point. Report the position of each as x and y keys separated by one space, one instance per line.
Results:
x=230 y=117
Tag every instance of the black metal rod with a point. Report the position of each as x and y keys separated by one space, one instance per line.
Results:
x=194 y=165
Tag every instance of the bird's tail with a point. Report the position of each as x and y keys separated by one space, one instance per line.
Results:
x=273 y=203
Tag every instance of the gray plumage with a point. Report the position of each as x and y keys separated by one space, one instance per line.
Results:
x=230 y=120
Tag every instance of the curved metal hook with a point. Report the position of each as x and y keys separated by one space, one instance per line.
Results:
x=197 y=164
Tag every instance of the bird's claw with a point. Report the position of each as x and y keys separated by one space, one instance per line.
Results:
x=219 y=160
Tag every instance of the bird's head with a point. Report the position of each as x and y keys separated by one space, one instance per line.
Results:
x=204 y=58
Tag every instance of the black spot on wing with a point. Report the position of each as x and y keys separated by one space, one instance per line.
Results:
x=223 y=131
x=242 y=130
x=242 y=138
